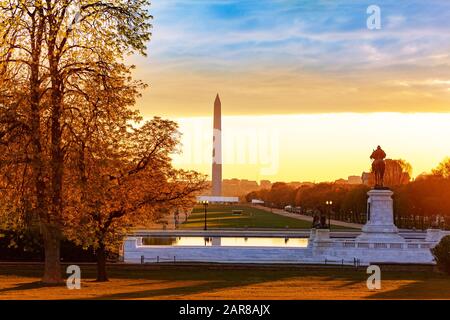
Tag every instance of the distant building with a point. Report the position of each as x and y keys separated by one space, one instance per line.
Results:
x=354 y=180
x=341 y=181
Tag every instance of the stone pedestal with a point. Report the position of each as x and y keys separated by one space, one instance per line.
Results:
x=380 y=227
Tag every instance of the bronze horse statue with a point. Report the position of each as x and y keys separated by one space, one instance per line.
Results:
x=378 y=166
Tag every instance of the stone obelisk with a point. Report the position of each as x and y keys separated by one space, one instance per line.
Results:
x=217 y=149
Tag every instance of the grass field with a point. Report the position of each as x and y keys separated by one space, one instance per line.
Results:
x=226 y=282
x=220 y=216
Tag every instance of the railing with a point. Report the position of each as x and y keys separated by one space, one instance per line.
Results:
x=355 y=262
x=158 y=259
x=375 y=245
x=342 y=262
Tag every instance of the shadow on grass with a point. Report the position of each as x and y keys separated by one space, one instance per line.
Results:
x=214 y=278
x=419 y=289
x=31 y=286
x=418 y=285
x=208 y=279
x=434 y=286
x=176 y=292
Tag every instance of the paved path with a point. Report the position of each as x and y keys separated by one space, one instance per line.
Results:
x=308 y=218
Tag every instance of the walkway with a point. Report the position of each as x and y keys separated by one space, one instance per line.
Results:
x=308 y=218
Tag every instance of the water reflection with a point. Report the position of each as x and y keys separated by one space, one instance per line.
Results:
x=226 y=241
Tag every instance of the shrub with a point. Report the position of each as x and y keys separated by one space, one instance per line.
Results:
x=441 y=254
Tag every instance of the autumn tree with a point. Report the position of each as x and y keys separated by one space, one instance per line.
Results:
x=125 y=181
x=354 y=202
x=398 y=172
x=281 y=194
x=22 y=139
x=443 y=169
x=428 y=196
x=46 y=48
x=315 y=197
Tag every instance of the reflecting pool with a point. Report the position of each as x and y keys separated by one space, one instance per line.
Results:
x=226 y=241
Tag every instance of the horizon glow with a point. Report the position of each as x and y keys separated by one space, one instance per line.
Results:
x=310 y=73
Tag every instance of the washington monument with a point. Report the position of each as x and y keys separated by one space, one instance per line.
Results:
x=217 y=150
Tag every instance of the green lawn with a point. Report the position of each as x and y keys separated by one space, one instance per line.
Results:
x=220 y=216
x=21 y=281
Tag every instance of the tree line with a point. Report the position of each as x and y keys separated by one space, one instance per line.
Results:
x=77 y=161
x=417 y=204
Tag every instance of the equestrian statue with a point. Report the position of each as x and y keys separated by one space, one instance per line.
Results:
x=378 y=167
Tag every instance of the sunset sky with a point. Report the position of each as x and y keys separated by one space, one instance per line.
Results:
x=304 y=83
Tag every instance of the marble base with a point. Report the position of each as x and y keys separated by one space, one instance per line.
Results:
x=380 y=237
x=380 y=227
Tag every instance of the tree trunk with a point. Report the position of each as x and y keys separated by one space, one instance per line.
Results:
x=101 y=264
x=52 y=239
x=52 y=268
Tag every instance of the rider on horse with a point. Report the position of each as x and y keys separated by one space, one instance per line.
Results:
x=378 y=165
x=378 y=154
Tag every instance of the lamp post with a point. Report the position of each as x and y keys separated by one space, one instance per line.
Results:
x=329 y=205
x=205 y=205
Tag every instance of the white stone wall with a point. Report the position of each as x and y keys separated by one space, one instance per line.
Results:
x=320 y=248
